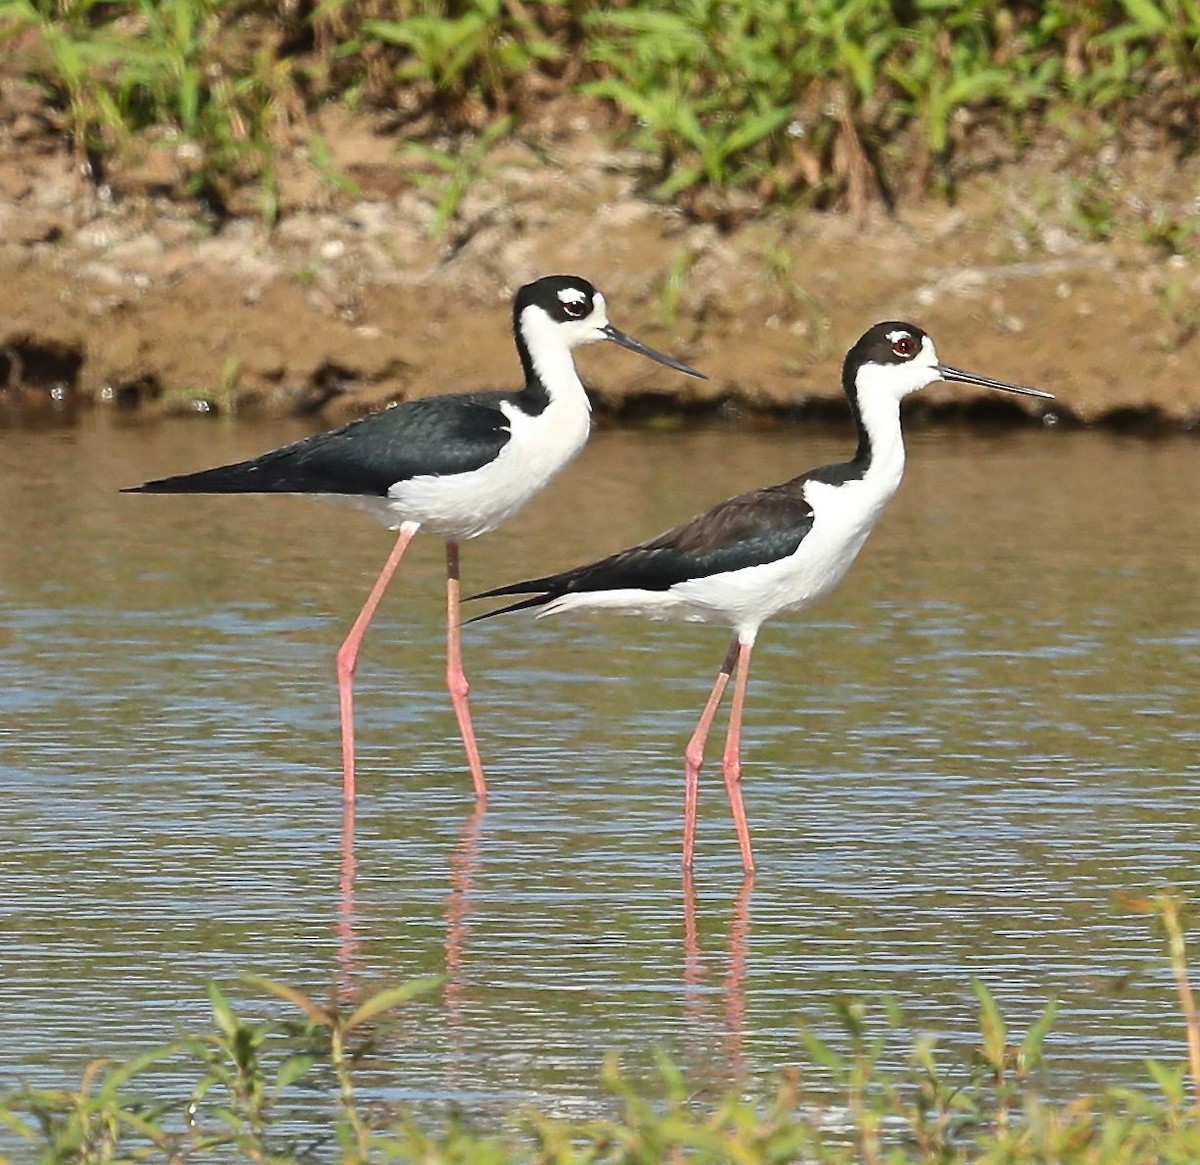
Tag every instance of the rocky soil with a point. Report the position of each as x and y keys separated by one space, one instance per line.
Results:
x=126 y=293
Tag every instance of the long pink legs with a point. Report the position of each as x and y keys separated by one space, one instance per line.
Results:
x=731 y=763
x=456 y=680
x=347 y=656
x=693 y=755
x=738 y=657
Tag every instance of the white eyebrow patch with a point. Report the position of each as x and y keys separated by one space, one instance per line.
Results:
x=572 y=295
x=894 y=336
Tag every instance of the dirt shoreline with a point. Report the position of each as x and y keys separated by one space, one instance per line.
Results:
x=351 y=302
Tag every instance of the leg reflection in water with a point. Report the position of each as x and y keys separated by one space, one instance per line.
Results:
x=464 y=865
x=733 y=990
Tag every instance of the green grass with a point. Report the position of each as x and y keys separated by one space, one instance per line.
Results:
x=827 y=102
x=874 y=1094
x=181 y=71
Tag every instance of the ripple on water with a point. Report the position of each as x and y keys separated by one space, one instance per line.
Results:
x=949 y=774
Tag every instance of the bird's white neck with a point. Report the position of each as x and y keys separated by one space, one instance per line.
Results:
x=881 y=424
x=880 y=437
x=547 y=359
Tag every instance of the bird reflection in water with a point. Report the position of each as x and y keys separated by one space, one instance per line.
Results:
x=464 y=866
x=733 y=989
x=699 y=990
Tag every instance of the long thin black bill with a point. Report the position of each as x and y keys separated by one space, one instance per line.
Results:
x=619 y=337
x=962 y=377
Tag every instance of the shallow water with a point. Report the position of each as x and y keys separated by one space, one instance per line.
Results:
x=952 y=768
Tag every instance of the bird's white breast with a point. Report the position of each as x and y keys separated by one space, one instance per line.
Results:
x=463 y=505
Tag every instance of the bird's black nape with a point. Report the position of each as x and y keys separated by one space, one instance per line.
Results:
x=889 y=342
x=562 y=297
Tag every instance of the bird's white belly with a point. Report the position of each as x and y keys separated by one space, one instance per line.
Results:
x=742 y=599
x=463 y=505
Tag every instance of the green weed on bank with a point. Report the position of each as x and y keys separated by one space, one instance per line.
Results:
x=733 y=106
x=843 y=1103
x=184 y=71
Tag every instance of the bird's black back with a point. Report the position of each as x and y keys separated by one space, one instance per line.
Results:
x=435 y=435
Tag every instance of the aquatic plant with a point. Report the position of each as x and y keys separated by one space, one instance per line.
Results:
x=853 y=1098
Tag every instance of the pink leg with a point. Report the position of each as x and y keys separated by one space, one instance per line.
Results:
x=732 y=763
x=456 y=679
x=347 y=934
x=347 y=656
x=694 y=755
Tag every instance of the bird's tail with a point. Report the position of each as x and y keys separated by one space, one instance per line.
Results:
x=540 y=591
x=238 y=478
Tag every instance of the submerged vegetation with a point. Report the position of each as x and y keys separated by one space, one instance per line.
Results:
x=732 y=107
x=857 y=1098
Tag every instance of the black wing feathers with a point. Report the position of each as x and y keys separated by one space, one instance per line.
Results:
x=749 y=530
x=435 y=435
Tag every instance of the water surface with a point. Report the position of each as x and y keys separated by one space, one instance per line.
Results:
x=952 y=768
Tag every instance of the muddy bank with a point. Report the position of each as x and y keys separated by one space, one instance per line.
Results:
x=352 y=301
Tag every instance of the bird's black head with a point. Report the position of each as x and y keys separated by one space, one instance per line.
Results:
x=889 y=342
x=893 y=359
x=557 y=313
x=889 y=361
x=562 y=297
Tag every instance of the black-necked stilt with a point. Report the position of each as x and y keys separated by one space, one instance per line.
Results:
x=457 y=465
x=774 y=549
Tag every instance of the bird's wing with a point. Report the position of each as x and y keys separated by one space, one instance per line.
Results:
x=749 y=530
x=434 y=435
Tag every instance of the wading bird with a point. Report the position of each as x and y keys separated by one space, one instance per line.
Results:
x=774 y=549
x=456 y=465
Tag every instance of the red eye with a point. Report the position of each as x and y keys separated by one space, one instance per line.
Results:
x=574 y=309
x=904 y=346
